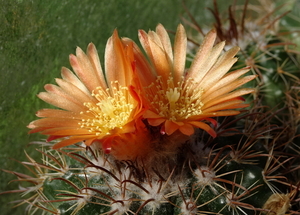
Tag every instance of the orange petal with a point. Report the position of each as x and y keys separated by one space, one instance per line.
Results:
x=65 y=131
x=215 y=74
x=205 y=127
x=66 y=142
x=56 y=113
x=209 y=62
x=187 y=129
x=54 y=122
x=227 y=97
x=52 y=137
x=180 y=46
x=222 y=106
x=117 y=65
x=69 y=76
x=160 y=59
x=155 y=122
x=201 y=56
x=85 y=70
x=60 y=99
x=143 y=37
x=222 y=90
x=165 y=40
x=225 y=113
x=228 y=79
x=143 y=70
x=170 y=127
x=72 y=140
x=35 y=129
x=74 y=92
x=95 y=62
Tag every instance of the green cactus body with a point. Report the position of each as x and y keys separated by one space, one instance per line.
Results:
x=277 y=71
x=88 y=188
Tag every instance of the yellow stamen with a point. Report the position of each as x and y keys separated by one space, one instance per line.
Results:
x=175 y=102
x=112 y=111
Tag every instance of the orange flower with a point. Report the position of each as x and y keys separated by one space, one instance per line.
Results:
x=95 y=106
x=180 y=99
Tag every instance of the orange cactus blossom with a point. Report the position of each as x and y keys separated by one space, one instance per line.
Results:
x=182 y=99
x=95 y=106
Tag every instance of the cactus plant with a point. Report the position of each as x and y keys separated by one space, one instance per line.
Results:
x=159 y=135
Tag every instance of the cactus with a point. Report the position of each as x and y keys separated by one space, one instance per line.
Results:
x=230 y=179
x=153 y=161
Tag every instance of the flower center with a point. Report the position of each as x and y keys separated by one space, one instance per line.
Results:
x=175 y=102
x=113 y=109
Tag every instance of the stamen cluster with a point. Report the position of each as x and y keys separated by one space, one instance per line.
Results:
x=175 y=102
x=109 y=112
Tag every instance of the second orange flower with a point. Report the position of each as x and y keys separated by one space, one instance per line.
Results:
x=180 y=98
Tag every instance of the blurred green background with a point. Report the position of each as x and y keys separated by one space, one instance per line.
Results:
x=36 y=37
